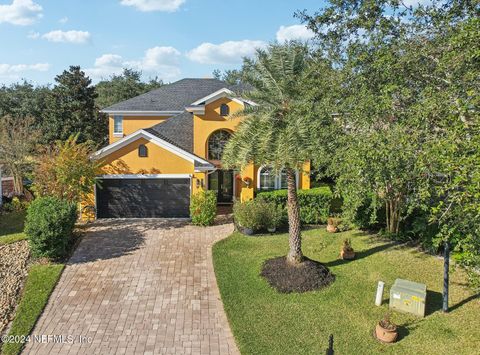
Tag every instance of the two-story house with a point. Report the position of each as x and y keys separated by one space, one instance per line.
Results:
x=167 y=144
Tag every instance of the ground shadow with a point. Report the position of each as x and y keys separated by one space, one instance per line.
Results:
x=433 y=303
x=361 y=254
x=112 y=238
x=465 y=301
x=403 y=332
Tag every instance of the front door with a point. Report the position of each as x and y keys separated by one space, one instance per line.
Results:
x=221 y=181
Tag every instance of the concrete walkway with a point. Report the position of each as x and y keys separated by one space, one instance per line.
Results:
x=138 y=287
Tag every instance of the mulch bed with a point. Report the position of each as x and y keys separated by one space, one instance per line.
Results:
x=310 y=275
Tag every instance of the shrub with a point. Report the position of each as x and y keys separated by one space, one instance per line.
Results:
x=16 y=205
x=273 y=215
x=203 y=208
x=314 y=203
x=49 y=226
x=258 y=214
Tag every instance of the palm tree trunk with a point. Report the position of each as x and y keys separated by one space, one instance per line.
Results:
x=295 y=255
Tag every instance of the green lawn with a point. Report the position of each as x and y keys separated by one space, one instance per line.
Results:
x=266 y=322
x=41 y=280
x=11 y=227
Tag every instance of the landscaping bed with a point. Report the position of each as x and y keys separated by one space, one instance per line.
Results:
x=308 y=276
x=13 y=271
x=268 y=322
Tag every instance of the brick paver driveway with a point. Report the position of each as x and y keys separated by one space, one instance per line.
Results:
x=138 y=287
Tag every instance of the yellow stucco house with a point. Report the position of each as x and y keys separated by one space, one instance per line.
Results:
x=167 y=144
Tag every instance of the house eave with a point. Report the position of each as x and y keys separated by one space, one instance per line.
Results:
x=140 y=113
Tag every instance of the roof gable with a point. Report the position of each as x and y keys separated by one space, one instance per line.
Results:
x=175 y=149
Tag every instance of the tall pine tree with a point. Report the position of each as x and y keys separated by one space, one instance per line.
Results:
x=71 y=109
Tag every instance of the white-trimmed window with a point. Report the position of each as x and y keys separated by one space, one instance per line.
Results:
x=283 y=183
x=118 y=125
x=267 y=180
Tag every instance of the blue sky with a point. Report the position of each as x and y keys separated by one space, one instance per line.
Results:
x=170 y=39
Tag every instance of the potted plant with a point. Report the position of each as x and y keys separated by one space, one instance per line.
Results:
x=273 y=216
x=332 y=224
x=347 y=252
x=246 y=216
x=386 y=331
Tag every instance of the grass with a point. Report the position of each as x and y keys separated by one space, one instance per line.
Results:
x=40 y=283
x=11 y=227
x=266 y=322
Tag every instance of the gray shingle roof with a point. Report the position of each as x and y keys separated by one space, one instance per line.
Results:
x=173 y=97
x=177 y=130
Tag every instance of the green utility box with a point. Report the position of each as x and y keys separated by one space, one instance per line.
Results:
x=408 y=296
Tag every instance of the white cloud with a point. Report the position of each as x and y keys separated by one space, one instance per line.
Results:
x=109 y=60
x=77 y=37
x=20 y=12
x=294 y=32
x=63 y=20
x=229 y=52
x=159 y=61
x=8 y=69
x=154 y=5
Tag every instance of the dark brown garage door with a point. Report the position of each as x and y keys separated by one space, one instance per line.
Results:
x=143 y=198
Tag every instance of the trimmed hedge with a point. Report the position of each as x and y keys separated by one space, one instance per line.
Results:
x=314 y=203
x=49 y=226
x=203 y=208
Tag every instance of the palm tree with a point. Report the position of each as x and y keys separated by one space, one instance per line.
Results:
x=277 y=131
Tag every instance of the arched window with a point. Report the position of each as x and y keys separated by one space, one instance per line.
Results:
x=142 y=151
x=267 y=179
x=224 y=110
x=216 y=144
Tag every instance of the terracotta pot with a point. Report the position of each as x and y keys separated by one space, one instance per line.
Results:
x=386 y=335
x=347 y=254
x=331 y=228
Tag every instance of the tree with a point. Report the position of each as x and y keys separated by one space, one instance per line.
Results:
x=123 y=87
x=17 y=143
x=231 y=76
x=453 y=101
x=278 y=130
x=22 y=99
x=71 y=110
x=414 y=69
x=380 y=81
x=65 y=170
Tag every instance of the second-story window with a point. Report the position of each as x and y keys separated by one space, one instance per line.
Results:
x=224 y=110
x=142 y=151
x=117 y=124
x=216 y=144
